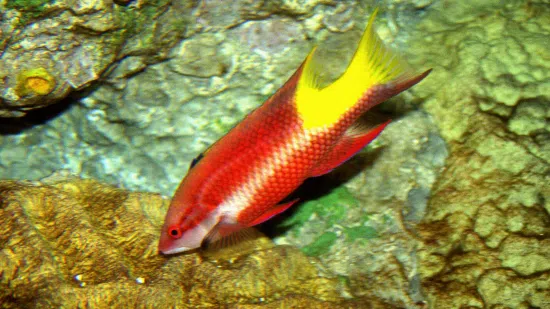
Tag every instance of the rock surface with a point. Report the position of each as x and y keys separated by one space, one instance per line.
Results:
x=147 y=119
x=486 y=234
x=452 y=206
x=50 y=48
x=363 y=229
x=478 y=237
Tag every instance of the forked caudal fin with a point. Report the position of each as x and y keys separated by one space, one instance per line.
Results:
x=372 y=64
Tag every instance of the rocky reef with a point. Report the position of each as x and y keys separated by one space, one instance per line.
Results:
x=486 y=233
x=158 y=89
x=51 y=49
x=448 y=208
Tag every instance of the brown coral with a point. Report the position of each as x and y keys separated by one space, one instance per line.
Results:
x=78 y=243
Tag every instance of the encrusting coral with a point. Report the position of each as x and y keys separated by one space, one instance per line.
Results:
x=75 y=243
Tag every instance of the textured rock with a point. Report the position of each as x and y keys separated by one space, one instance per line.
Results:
x=119 y=38
x=149 y=119
x=75 y=42
x=483 y=234
x=484 y=239
x=72 y=243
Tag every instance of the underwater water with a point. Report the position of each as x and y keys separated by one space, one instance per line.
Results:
x=105 y=105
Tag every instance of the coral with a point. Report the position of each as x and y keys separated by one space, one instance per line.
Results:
x=35 y=81
x=71 y=243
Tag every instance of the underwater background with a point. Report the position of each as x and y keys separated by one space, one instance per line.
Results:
x=104 y=104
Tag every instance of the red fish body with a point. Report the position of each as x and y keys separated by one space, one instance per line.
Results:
x=302 y=131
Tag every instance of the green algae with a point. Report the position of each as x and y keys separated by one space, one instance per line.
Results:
x=134 y=20
x=360 y=232
x=143 y=23
x=30 y=9
x=331 y=207
x=28 y=5
x=329 y=211
x=320 y=245
x=343 y=280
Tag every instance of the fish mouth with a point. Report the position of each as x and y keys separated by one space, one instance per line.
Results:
x=190 y=240
x=168 y=247
x=174 y=250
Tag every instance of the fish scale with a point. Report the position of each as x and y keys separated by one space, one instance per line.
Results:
x=303 y=130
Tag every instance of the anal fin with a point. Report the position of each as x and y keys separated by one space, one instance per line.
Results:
x=351 y=143
x=272 y=212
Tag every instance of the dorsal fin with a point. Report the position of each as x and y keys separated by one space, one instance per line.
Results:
x=196 y=160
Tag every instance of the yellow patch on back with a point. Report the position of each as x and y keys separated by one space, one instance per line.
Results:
x=372 y=64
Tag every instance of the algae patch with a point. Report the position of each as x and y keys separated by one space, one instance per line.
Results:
x=332 y=207
x=320 y=245
x=318 y=225
x=28 y=5
x=35 y=81
x=30 y=9
x=360 y=232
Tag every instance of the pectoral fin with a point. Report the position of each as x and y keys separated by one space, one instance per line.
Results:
x=225 y=234
x=238 y=242
x=221 y=230
x=352 y=142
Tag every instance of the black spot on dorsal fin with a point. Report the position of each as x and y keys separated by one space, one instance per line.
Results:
x=196 y=160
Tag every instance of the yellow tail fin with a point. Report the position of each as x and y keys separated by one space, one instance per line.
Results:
x=372 y=64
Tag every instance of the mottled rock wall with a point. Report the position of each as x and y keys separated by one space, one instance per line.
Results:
x=485 y=238
x=477 y=237
x=154 y=101
x=53 y=48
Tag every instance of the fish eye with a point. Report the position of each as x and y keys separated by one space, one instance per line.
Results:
x=175 y=232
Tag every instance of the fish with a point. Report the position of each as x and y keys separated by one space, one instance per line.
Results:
x=305 y=129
